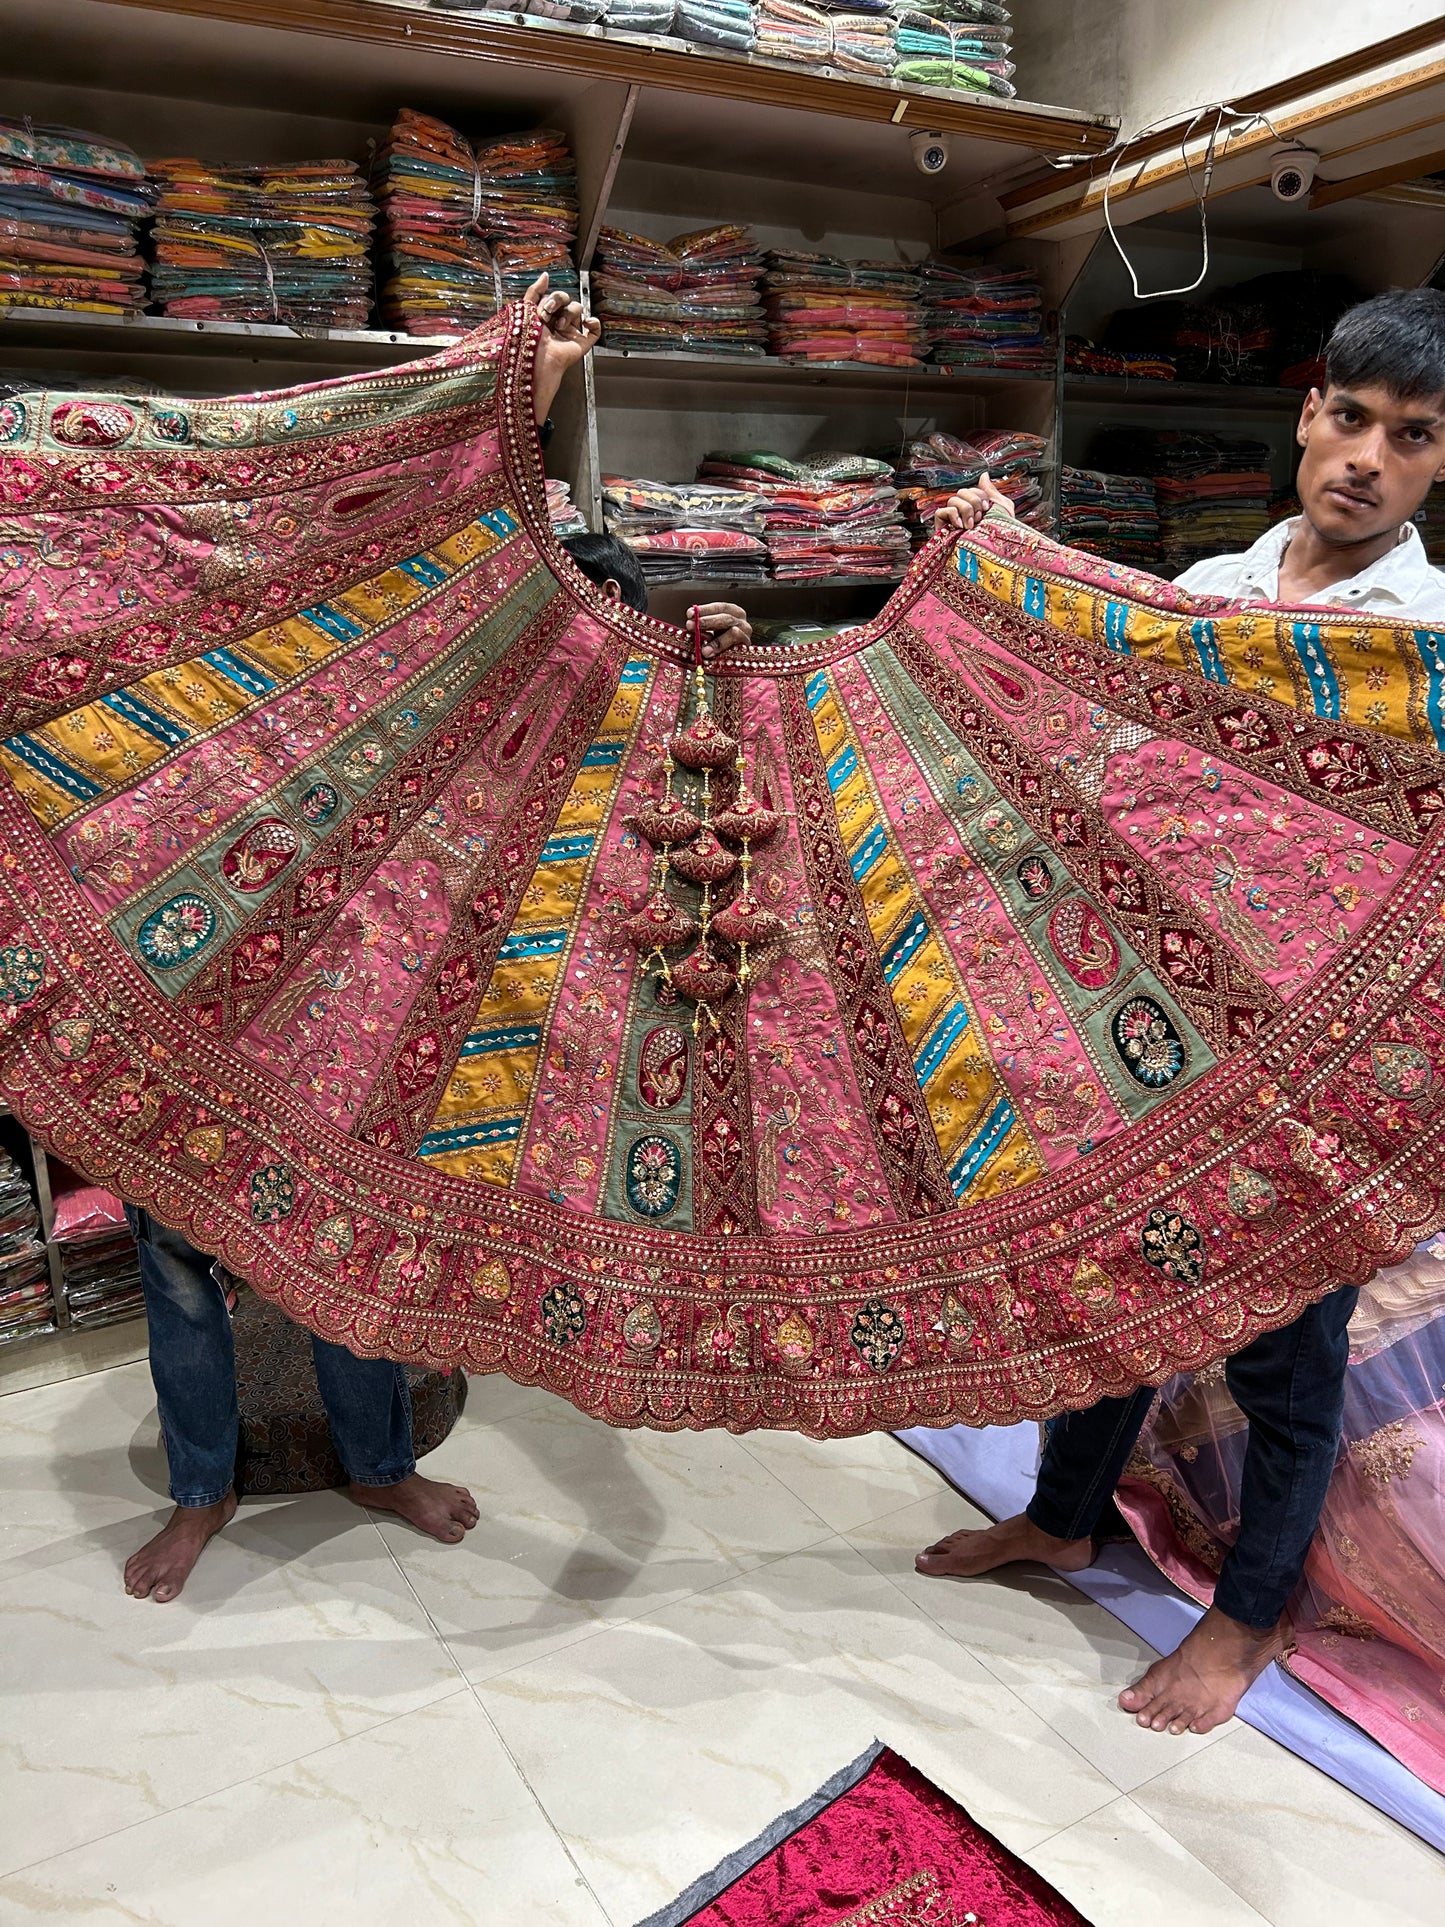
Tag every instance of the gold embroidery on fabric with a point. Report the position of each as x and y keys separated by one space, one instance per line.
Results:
x=1386 y=1454
x=1340 y=1619
x=915 y=1902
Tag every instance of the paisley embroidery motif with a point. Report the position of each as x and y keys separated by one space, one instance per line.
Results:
x=492 y=1281
x=92 y=424
x=1091 y=1284
x=177 y=931
x=1250 y=1193
x=1083 y=944
x=642 y=1328
x=71 y=1038
x=654 y=1176
x=1149 y=1047
x=258 y=858
x=1401 y=1070
x=335 y=1239
x=662 y=1068
x=796 y=1343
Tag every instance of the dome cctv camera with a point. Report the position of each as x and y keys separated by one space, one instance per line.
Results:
x=930 y=152
x=1292 y=173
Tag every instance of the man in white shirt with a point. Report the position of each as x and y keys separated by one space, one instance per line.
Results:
x=1374 y=445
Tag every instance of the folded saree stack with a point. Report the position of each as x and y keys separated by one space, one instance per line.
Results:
x=981 y=316
x=699 y=292
x=729 y=24
x=639 y=16
x=260 y=243
x=687 y=531
x=1116 y=516
x=823 y=308
x=1213 y=490
x=825 y=517
x=931 y=468
x=820 y=37
x=959 y=44
x=464 y=230
x=71 y=205
x=562 y=512
x=1085 y=357
x=26 y=1305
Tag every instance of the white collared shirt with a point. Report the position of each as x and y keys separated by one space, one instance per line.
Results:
x=1400 y=583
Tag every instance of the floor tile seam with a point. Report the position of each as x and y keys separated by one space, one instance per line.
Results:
x=669 y=1605
x=1194 y=1859
x=511 y=1758
x=231 y=1786
x=1114 y=1790
x=741 y=1439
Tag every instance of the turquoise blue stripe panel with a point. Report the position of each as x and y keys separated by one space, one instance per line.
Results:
x=531 y=943
x=133 y=710
x=255 y=682
x=562 y=849
x=50 y=766
x=941 y=1041
x=481 y=1043
x=915 y=933
x=977 y=1152
x=869 y=851
x=468 y=1137
x=1324 y=686
x=1431 y=644
x=1201 y=634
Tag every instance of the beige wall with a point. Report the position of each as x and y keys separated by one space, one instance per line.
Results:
x=1142 y=59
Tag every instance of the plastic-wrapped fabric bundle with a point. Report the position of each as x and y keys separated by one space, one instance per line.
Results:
x=717 y=23
x=71 y=204
x=928 y=470
x=829 y=516
x=970 y=57
x=463 y=231
x=640 y=16
x=563 y=513
x=1116 y=516
x=25 y=1301
x=1085 y=357
x=697 y=292
x=700 y=555
x=981 y=316
x=823 y=308
x=688 y=530
x=1213 y=491
x=853 y=41
x=263 y=243
x=577 y=13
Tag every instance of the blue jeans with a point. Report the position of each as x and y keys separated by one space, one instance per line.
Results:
x=193 y=1365
x=1290 y=1385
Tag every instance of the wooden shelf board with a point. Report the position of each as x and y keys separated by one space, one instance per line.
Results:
x=773 y=371
x=164 y=334
x=1185 y=393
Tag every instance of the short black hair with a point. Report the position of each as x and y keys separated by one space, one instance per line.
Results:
x=1394 y=341
x=602 y=558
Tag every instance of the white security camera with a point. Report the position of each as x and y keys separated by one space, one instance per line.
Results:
x=930 y=152
x=1292 y=173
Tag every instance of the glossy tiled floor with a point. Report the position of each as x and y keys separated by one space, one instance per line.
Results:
x=649 y=1648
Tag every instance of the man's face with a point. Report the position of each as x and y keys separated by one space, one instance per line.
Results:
x=1369 y=460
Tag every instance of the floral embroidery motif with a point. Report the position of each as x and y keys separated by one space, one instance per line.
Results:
x=177 y=931
x=335 y=1239
x=564 y=1316
x=319 y=803
x=1172 y=1245
x=71 y=1038
x=1091 y=1284
x=273 y=1194
x=493 y=1282
x=1151 y=1049
x=878 y=1334
x=654 y=1176
x=1386 y=1455
x=12 y=420
x=1250 y=1193
x=642 y=1328
x=22 y=972
x=796 y=1343
x=205 y=1145
x=1401 y=1070
x=1035 y=877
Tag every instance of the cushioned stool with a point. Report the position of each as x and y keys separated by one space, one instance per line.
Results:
x=285 y=1440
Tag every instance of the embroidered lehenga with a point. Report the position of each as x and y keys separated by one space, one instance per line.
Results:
x=1033 y=993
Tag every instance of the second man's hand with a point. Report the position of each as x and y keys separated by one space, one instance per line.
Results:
x=967 y=509
x=724 y=626
x=567 y=336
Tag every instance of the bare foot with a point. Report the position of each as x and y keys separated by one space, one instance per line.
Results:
x=1199 y=1686
x=446 y=1512
x=963 y=1554
x=163 y=1565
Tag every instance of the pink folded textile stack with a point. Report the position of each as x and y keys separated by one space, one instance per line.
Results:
x=698 y=292
x=825 y=517
x=822 y=308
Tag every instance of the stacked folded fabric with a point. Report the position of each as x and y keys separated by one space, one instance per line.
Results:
x=697 y=292
x=961 y=44
x=823 y=308
x=1083 y=357
x=258 y=243
x=717 y=23
x=99 y=1258
x=824 y=517
x=25 y=1302
x=1213 y=491
x=986 y=317
x=578 y=13
x=71 y=205
x=929 y=470
x=464 y=231
x=640 y=16
x=1116 y=516
x=562 y=512
x=687 y=531
x=844 y=39
x=1266 y=331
